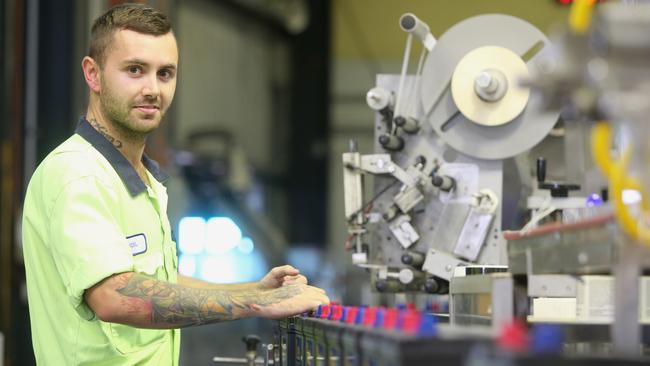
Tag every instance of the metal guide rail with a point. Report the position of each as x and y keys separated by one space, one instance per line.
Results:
x=306 y=341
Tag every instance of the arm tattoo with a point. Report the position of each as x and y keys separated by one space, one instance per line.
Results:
x=182 y=306
x=101 y=129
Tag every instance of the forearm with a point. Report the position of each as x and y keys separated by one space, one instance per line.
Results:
x=145 y=302
x=193 y=282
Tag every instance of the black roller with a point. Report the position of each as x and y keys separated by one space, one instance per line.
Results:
x=431 y=286
x=389 y=286
x=408 y=124
x=414 y=259
x=391 y=142
x=444 y=182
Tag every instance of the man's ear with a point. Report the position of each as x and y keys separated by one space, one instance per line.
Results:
x=91 y=73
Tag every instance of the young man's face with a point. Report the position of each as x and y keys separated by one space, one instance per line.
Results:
x=138 y=80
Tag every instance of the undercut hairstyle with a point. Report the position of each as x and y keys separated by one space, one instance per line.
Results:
x=136 y=17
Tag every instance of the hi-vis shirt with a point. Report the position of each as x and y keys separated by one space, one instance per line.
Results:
x=87 y=216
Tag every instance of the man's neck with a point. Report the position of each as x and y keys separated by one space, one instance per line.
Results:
x=132 y=150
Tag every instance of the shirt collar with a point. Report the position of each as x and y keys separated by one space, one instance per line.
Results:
x=124 y=169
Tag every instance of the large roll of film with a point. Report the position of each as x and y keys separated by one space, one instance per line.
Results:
x=480 y=50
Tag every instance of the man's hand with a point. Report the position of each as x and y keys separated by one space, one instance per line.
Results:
x=288 y=300
x=282 y=276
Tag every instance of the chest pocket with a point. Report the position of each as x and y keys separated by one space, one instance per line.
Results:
x=149 y=264
x=147 y=254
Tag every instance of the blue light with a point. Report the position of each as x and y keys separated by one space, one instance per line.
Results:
x=221 y=235
x=187 y=265
x=191 y=235
x=594 y=199
x=232 y=267
x=207 y=251
x=246 y=245
x=218 y=269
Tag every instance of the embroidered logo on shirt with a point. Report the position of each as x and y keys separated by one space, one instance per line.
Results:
x=138 y=243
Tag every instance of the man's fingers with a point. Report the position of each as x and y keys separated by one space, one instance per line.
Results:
x=293 y=280
x=315 y=297
x=322 y=299
x=285 y=270
x=317 y=289
x=308 y=298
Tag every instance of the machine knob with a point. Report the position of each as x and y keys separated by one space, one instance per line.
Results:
x=431 y=286
x=444 y=182
x=408 y=124
x=379 y=99
x=385 y=285
x=251 y=341
x=391 y=142
x=414 y=259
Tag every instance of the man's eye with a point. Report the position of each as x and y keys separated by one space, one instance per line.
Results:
x=165 y=74
x=135 y=70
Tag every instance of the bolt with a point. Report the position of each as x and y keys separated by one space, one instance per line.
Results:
x=483 y=80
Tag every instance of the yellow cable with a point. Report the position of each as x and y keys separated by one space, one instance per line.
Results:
x=616 y=172
x=580 y=15
x=601 y=137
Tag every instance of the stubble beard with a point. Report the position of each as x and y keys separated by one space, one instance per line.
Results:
x=118 y=114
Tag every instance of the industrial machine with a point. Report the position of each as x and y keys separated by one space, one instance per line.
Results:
x=490 y=88
x=568 y=287
x=442 y=136
x=593 y=275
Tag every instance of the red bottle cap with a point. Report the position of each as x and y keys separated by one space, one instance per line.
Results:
x=351 y=314
x=513 y=337
x=411 y=321
x=370 y=316
x=326 y=310
x=390 y=318
x=337 y=312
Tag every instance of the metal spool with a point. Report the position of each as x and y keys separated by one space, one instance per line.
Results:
x=468 y=122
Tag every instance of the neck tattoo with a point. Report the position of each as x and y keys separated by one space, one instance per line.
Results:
x=102 y=130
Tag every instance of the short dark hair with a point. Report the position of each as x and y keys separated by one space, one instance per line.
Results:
x=136 y=17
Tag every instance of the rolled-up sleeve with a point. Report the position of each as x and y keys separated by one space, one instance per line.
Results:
x=86 y=241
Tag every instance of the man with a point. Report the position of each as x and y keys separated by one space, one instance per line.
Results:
x=101 y=266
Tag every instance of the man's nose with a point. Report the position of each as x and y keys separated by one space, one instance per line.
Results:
x=151 y=88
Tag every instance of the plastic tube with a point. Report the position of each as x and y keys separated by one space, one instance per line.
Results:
x=619 y=180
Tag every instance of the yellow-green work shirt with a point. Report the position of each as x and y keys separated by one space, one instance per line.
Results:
x=87 y=216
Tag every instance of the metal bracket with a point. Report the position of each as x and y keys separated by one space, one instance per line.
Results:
x=441 y=264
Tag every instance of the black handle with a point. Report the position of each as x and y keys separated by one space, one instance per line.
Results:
x=541 y=170
x=251 y=341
